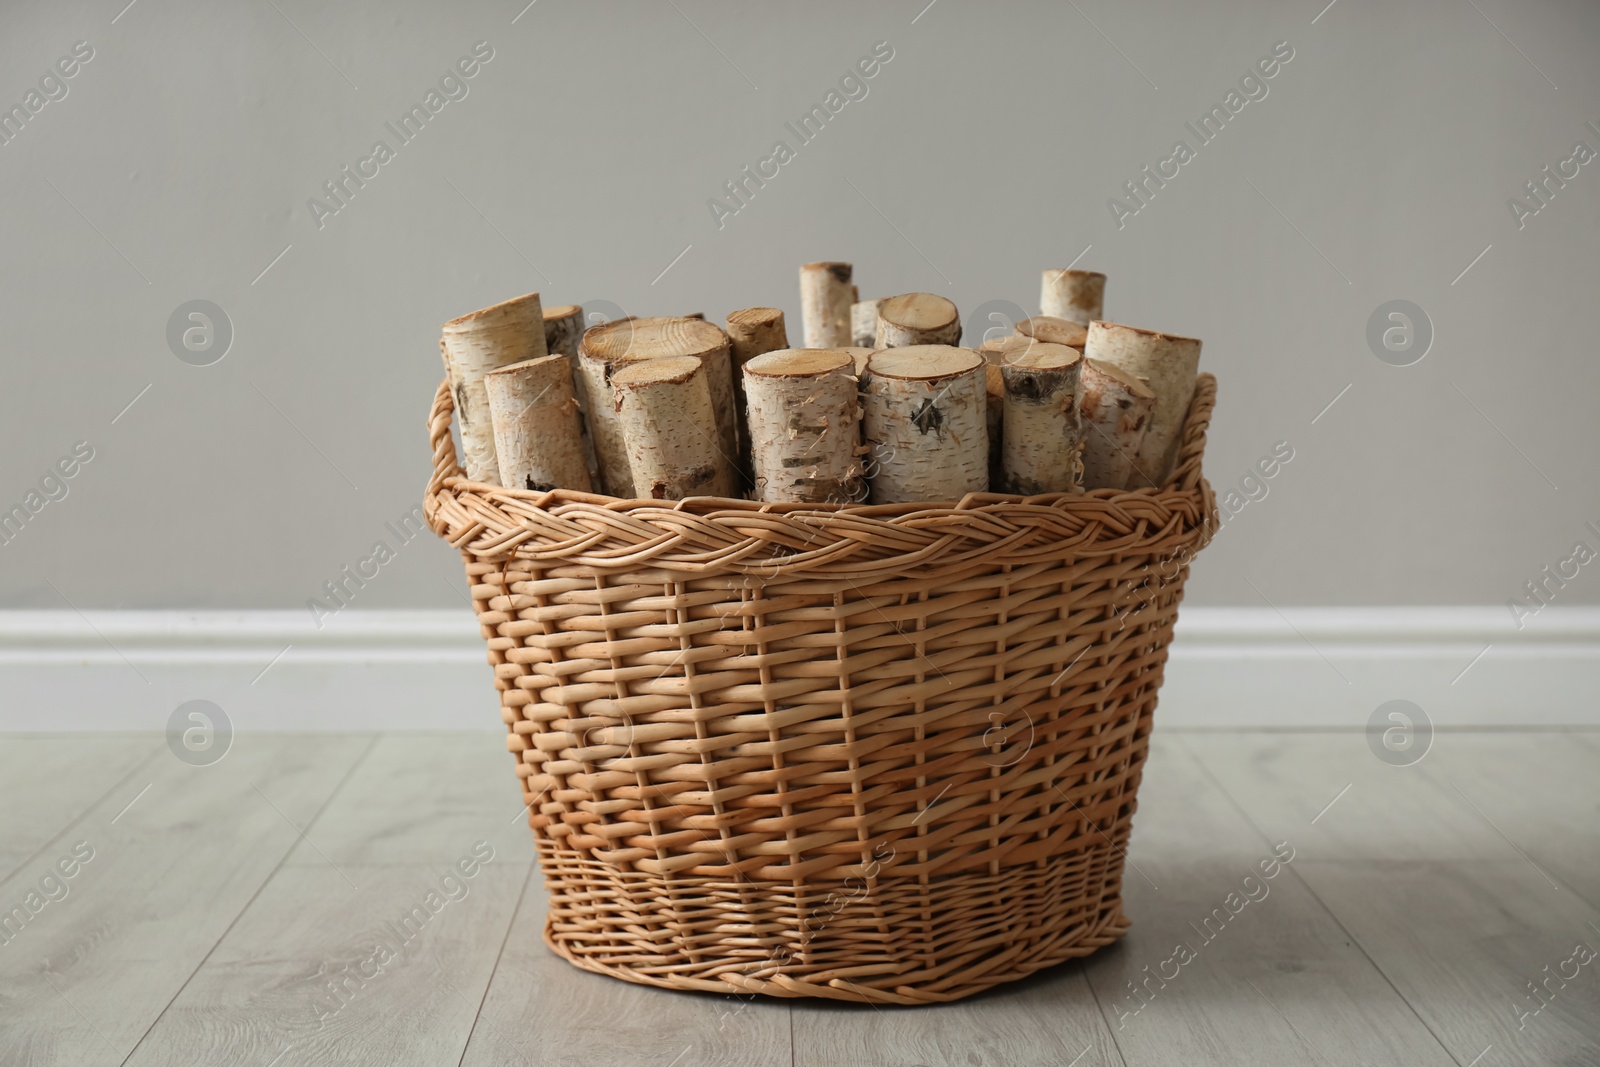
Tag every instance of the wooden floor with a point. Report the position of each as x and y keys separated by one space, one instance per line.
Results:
x=1441 y=913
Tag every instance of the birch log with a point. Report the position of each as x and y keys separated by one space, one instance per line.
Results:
x=1075 y=295
x=751 y=332
x=925 y=424
x=864 y=323
x=563 y=329
x=664 y=408
x=1043 y=436
x=805 y=426
x=825 y=298
x=1054 y=331
x=754 y=332
x=606 y=348
x=995 y=353
x=917 y=319
x=536 y=435
x=995 y=408
x=1168 y=365
x=1115 y=408
x=474 y=345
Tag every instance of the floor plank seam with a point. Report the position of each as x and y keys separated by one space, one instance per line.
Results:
x=1083 y=970
x=78 y=818
x=505 y=939
x=1301 y=880
x=254 y=896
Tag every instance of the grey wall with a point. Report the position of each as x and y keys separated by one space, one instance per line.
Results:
x=1378 y=166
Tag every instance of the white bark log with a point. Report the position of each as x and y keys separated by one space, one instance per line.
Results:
x=1043 y=435
x=616 y=344
x=1075 y=295
x=917 y=319
x=825 y=298
x=668 y=427
x=864 y=323
x=1167 y=364
x=1054 y=331
x=995 y=409
x=925 y=423
x=474 y=345
x=805 y=426
x=754 y=332
x=751 y=332
x=563 y=329
x=1115 y=408
x=536 y=436
x=995 y=354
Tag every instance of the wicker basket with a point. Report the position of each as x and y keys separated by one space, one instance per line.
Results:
x=885 y=754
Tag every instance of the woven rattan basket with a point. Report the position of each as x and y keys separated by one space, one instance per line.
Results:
x=867 y=753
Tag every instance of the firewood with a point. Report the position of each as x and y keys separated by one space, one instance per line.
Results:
x=1167 y=364
x=535 y=417
x=615 y=344
x=805 y=426
x=1043 y=435
x=751 y=332
x=825 y=296
x=995 y=412
x=475 y=344
x=1075 y=295
x=754 y=332
x=996 y=350
x=994 y=353
x=1116 y=408
x=669 y=429
x=1054 y=331
x=925 y=424
x=563 y=329
x=917 y=319
x=864 y=323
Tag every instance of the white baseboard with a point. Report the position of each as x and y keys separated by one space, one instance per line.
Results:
x=425 y=670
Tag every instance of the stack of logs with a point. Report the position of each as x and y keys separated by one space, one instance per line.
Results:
x=880 y=405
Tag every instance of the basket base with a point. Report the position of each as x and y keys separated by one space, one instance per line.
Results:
x=901 y=940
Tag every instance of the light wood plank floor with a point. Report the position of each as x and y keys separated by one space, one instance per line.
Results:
x=1443 y=913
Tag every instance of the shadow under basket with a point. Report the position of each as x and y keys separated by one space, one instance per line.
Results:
x=871 y=753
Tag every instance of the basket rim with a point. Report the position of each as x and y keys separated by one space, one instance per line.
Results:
x=723 y=534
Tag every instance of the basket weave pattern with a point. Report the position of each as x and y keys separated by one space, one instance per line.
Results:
x=884 y=753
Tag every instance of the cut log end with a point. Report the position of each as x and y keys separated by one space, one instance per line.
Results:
x=799 y=362
x=917 y=319
x=1052 y=330
x=518 y=312
x=923 y=362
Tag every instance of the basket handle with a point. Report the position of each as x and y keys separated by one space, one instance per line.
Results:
x=446 y=464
